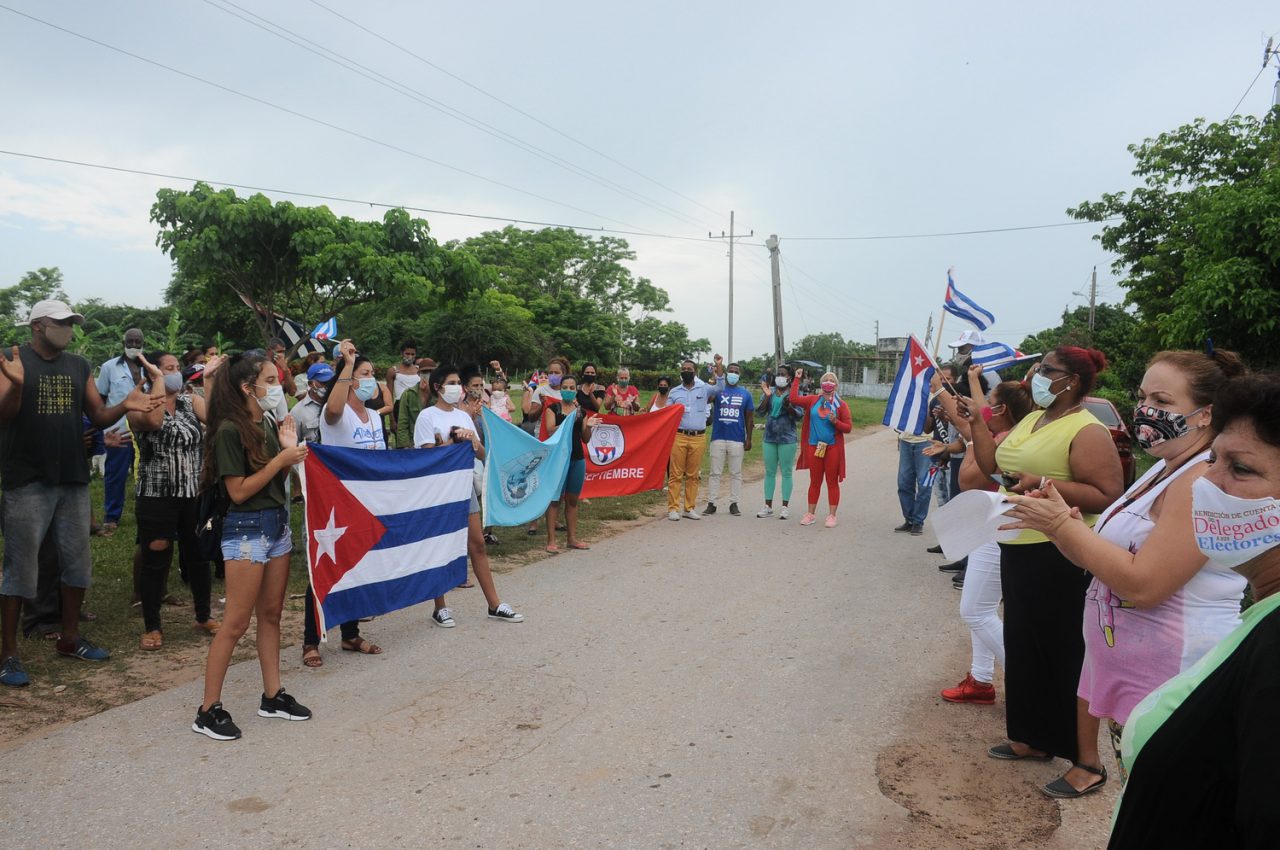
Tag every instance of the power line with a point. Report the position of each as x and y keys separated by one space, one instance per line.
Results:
x=337 y=198
x=305 y=117
x=1258 y=76
x=405 y=90
x=950 y=233
x=718 y=213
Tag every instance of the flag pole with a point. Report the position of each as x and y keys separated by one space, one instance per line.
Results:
x=937 y=342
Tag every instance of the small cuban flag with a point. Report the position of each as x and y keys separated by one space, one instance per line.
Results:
x=909 y=399
x=385 y=529
x=993 y=356
x=328 y=329
x=958 y=304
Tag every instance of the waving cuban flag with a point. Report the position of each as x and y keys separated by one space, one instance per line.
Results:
x=385 y=530
x=909 y=399
x=958 y=304
x=996 y=355
x=328 y=329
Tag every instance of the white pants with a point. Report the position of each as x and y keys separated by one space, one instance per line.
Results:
x=720 y=450
x=979 y=607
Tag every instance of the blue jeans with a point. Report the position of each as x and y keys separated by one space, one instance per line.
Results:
x=119 y=462
x=31 y=513
x=913 y=486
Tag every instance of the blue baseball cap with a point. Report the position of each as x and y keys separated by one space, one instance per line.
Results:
x=319 y=372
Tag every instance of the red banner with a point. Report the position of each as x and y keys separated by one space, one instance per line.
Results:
x=629 y=454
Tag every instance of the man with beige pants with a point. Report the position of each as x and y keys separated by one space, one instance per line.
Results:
x=685 y=470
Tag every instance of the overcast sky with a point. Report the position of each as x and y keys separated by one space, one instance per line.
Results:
x=808 y=119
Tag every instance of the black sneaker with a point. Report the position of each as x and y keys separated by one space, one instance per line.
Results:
x=710 y=509
x=934 y=550
x=503 y=612
x=216 y=723
x=733 y=509
x=283 y=705
x=903 y=529
x=916 y=530
x=955 y=566
x=958 y=580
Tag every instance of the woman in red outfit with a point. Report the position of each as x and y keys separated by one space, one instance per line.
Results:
x=826 y=420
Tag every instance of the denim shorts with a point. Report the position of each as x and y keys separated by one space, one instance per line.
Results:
x=256 y=536
x=29 y=513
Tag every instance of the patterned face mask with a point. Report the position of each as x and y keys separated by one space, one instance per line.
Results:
x=1153 y=426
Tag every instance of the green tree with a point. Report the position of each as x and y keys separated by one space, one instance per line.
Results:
x=1198 y=242
x=656 y=344
x=1117 y=333
x=16 y=301
x=303 y=262
x=829 y=349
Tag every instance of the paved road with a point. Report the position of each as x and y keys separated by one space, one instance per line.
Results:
x=724 y=683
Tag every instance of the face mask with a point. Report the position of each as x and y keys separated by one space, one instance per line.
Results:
x=686 y=378
x=132 y=353
x=58 y=336
x=273 y=399
x=828 y=386
x=663 y=390
x=320 y=392
x=1040 y=392
x=451 y=393
x=173 y=382
x=366 y=389
x=590 y=379
x=554 y=380
x=568 y=395
x=780 y=381
x=622 y=382
x=733 y=378
x=408 y=361
x=1229 y=530
x=1153 y=426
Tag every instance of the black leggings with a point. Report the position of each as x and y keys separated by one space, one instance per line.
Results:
x=311 y=629
x=169 y=519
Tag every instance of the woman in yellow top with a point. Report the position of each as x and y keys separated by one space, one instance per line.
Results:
x=1043 y=591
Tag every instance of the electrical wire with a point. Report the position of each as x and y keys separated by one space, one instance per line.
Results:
x=1257 y=77
x=349 y=64
x=312 y=119
x=337 y=198
x=511 y=106
x=949 y=233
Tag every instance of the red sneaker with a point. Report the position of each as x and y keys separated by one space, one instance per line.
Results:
x=971 y=690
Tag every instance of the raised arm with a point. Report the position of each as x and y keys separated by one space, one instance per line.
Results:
x=152 y=420
x=11 y=380
x=342 y=387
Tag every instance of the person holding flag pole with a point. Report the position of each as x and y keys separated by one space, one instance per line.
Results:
x=908 y=413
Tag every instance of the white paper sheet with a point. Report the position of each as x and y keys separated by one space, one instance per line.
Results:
x=969 y=520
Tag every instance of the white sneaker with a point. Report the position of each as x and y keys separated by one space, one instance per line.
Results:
x=674 y=516
x=783 y=514
x=443 y=618
x=691 y=515
x=766 y=513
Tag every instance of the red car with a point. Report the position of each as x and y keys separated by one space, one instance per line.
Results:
x=1109 y=416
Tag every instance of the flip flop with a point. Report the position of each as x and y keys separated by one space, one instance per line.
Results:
x=466 y=584
x=361 y=646
x=311 y=657
x=579 y=546
x=151 y=641
x=553 y=550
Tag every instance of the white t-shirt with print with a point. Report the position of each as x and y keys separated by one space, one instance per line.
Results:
x=351 y=433
x=433 y=420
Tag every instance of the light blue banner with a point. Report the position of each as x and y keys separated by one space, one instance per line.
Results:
x=522 y=476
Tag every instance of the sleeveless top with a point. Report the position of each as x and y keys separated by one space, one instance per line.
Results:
x=1129 y=652
x=404 y=382
x=351 y=433
x=1045 y=452
x=170 y=459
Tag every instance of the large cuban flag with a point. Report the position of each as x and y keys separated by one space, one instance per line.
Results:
x=385 y=530
x=958 y=304
x=909 y=399
x=522 y=476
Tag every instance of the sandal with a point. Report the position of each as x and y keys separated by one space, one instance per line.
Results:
x=553 y=550
x=311 y=656
x=1007 y=753
x=466 y=583
x=151 y=641
x=361 y=646
x=1064 y=790
x=579 y=546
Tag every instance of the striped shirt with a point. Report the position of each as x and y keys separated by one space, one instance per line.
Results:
x=169 y=460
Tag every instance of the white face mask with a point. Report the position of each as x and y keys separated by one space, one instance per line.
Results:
x=1229 y=530
x=273 y=399
x=1041 y=392
x=451 y=393
x=780 y=381
x=133 y=353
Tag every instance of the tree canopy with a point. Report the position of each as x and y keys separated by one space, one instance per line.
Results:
x=1198 y=242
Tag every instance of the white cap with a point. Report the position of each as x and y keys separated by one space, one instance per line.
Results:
x=53 y=310
x=968 y=338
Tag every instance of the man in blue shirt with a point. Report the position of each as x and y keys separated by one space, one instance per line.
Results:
x=684 y=472
x=731 y=425
x=116 y=379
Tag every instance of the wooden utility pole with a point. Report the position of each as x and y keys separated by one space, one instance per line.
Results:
x=732 y=238
x=778 y=348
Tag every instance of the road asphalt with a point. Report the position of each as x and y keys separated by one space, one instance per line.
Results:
x=723 y=683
